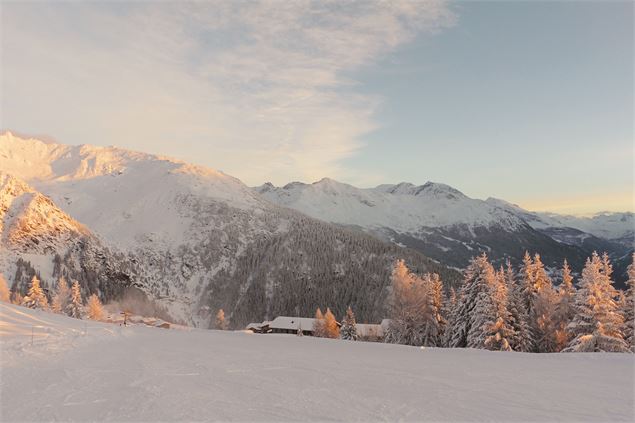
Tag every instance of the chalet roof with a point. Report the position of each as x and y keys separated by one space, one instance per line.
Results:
x=288 y=322
x=255 y=325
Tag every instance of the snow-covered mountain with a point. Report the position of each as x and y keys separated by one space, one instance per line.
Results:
x=36 y=236
x=196 y=239
x=442 y=222
x=614 y=226
x=403 y=207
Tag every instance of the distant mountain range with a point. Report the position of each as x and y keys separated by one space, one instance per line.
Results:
x=450 y=227
x=195 y=239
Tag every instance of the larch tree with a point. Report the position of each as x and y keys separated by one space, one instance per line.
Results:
x=628 y=308
x=95 y=308
x=62 y=296
x=597 y=323
x=36 y=298
x=348 y=330
x=319 y=325
x=220 y=323
x=74 y=307
x=433 y=321
x=5 y=294
x=331 y=328
x=407 y=305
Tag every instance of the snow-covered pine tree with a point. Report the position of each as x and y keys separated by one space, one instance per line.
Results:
x=348 y=330
x=543 y=317
x=319 y=326
x=500 y=333
x=527 y=286
x=331 y=328
x=5 y=294
x=565 y=308
x=474 y=306
x=36 y=298
x=450 y=308
x=597 y=323
x=542 y=301
x=220 y=323
x=628 y=308
x=521 y=339
x=95 y=309
x=62 y=296
x=74 y=307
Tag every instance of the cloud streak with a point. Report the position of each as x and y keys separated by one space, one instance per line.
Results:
x=261 y=90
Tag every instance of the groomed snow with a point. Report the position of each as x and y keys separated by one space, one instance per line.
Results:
x=80 y=371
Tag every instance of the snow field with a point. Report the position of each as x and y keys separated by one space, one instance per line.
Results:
x=139 y=373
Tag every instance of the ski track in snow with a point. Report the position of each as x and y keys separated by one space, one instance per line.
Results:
x=84 y=371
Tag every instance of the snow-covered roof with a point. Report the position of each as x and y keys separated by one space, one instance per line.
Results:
x=287 y=322
x=255 y=325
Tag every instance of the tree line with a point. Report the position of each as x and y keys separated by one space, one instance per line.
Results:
x=65 y=300
x=505 y=310
x=514 y=311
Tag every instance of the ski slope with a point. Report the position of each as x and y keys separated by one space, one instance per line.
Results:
x=81 y=371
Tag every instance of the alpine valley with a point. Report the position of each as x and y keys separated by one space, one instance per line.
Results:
x=194 y=239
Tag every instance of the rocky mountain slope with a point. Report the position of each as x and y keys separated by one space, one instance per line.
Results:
x=450 y=227
x=197 y=240
x=37 y=237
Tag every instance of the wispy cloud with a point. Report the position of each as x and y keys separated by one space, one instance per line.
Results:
x=258 y=89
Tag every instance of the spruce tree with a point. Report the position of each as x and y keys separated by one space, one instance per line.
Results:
x=565 y=309
x=521 y=340
x=628 y=308
x=474 y=307
x=450 y=308
x=5 y=294
x=36 y=298
x=348 y=330
x=597 y=324
x=74 y=307
x=499 y=334
x=527 y=286
x=542 y=300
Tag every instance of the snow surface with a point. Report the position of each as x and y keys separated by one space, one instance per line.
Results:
x=79 y=371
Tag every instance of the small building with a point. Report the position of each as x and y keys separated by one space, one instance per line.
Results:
x=285 y=324
x=372 y=332
x=256 y=327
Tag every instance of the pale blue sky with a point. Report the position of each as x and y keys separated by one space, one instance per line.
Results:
x=527 y=101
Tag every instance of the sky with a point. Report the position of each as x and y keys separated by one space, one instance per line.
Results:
x=531 y=102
